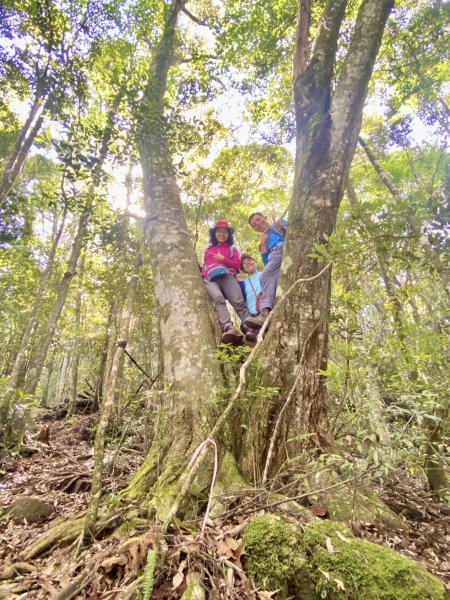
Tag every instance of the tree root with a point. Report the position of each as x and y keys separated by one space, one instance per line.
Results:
x=77 y=584
x=61 y=534
x=64 y=533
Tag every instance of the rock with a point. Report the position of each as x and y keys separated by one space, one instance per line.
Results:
x=31 y=509
x=324 y=560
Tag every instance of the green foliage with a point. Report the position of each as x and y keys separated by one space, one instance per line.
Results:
x=149 y=573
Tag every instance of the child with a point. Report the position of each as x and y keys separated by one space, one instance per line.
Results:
x=221 y=265
x=251 y=286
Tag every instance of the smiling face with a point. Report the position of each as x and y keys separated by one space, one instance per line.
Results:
x=222 y=234
x=249 y=266
x=259 y=223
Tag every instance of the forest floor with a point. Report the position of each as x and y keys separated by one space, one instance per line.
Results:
x=59 y=473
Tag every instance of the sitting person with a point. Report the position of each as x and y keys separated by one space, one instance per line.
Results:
x=271 y=239
x=221 y=266
x=250 y=286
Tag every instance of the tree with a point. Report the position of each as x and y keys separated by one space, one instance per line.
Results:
x=328 y=123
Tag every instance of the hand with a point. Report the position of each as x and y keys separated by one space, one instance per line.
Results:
x=263 y=237
x=239 y=277
x=219 y=257
x=279 y=223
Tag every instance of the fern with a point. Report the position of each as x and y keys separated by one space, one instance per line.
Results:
x=149 y=572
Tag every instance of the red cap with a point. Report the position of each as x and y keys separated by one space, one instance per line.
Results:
x=222 y=224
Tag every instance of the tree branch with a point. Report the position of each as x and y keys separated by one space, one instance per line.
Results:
x=194 y=18
x=302 y=47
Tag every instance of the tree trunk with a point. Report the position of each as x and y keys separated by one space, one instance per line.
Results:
x=294 y=355
x=24 y=143
x=32 y=379
x=45 y=339
x=19 y=363
x=108 y=345
x=186 y=332
x=76 y=341
x=107 y=405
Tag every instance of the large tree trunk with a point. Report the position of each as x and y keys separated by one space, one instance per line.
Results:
x=295 y=349
x=187 y=336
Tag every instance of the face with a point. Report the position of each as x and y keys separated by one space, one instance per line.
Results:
x=249 y=266
x=221 y=234
x=259 y=223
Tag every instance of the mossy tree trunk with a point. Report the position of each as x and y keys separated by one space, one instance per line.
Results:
x=328 y=123
x=191 y=375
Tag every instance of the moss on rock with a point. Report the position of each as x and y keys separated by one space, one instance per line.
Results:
x=325 y=561
x=367 y=571
x=274 y=558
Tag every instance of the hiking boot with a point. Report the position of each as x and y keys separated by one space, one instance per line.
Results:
x=258 y=321
x=231 y=336
x=251 y=336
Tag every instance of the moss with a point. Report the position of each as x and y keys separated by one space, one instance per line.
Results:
x=325 y=561
x=145 y=476
x=352 y=505
x=273 y=555
x=130 y=527
x=365 y=570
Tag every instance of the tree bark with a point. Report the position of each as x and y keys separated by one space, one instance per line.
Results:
x=294 y=355
x=187 y=336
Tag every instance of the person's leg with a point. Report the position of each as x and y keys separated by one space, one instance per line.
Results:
x=218 y=300
x=216 y=293
x=269 y=279
x=233 y=293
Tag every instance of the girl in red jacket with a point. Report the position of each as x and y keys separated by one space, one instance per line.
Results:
x=222 y=262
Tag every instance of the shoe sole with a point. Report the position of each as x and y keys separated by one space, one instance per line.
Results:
x=232 y=338
x=253 y=324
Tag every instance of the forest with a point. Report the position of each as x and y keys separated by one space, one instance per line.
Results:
x=143 y=455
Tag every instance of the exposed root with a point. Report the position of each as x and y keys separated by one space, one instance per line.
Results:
x=77 y=584
x=60 y=535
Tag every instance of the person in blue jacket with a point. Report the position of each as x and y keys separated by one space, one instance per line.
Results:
x=251 y=285
x=271 y=242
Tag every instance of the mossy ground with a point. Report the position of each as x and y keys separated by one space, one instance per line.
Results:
x=325 y=561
